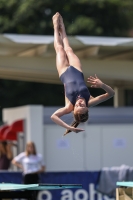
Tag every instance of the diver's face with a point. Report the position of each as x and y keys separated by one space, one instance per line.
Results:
x=80 y=103
x=80 y=106
x=80 y=110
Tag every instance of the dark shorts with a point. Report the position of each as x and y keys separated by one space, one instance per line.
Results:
x=31 y=179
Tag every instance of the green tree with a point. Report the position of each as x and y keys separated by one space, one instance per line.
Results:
x=81 y=17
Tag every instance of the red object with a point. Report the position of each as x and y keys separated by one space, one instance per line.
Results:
x=10 y=132
x=2 y=130
x=10 y=135
x=17 y=126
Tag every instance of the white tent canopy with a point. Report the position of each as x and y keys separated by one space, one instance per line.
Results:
x=32 y=58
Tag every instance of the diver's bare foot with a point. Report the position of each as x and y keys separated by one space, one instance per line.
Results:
x=55 y=19
x=61 y=21
x=60 y=31
x=61 y=26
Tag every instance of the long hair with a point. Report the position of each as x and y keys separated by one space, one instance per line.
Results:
x=78 y=119
x=34 y=148
x=4 y=150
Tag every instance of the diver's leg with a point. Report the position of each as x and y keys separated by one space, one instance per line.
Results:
x=61 y=57
x=72 y=58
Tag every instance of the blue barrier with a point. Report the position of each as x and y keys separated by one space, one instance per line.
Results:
x=89 y=181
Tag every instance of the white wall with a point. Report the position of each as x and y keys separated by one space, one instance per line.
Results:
x=63 y=153
x=98 y=146
x=33 y=117
x=117 y=145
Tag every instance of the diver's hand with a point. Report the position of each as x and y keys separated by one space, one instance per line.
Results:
x=95 y=82
x=76 y=130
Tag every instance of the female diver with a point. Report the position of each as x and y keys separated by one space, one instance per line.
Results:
x=77 y=96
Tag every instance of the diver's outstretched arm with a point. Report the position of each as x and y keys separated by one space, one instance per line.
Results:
x=97 y=83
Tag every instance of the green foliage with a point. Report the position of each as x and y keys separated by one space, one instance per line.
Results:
x=81 y=24
x=81 y=17
x=17 y=93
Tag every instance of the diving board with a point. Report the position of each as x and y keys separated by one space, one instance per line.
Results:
x=10 y=190
x=125 y=184
x=10 y=186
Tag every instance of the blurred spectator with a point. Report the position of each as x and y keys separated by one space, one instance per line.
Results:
x=31 y=163
x=5 y=155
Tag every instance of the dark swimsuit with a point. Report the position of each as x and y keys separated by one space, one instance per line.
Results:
x=74 y=84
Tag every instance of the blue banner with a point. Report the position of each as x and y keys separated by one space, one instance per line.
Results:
x=89 y=181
